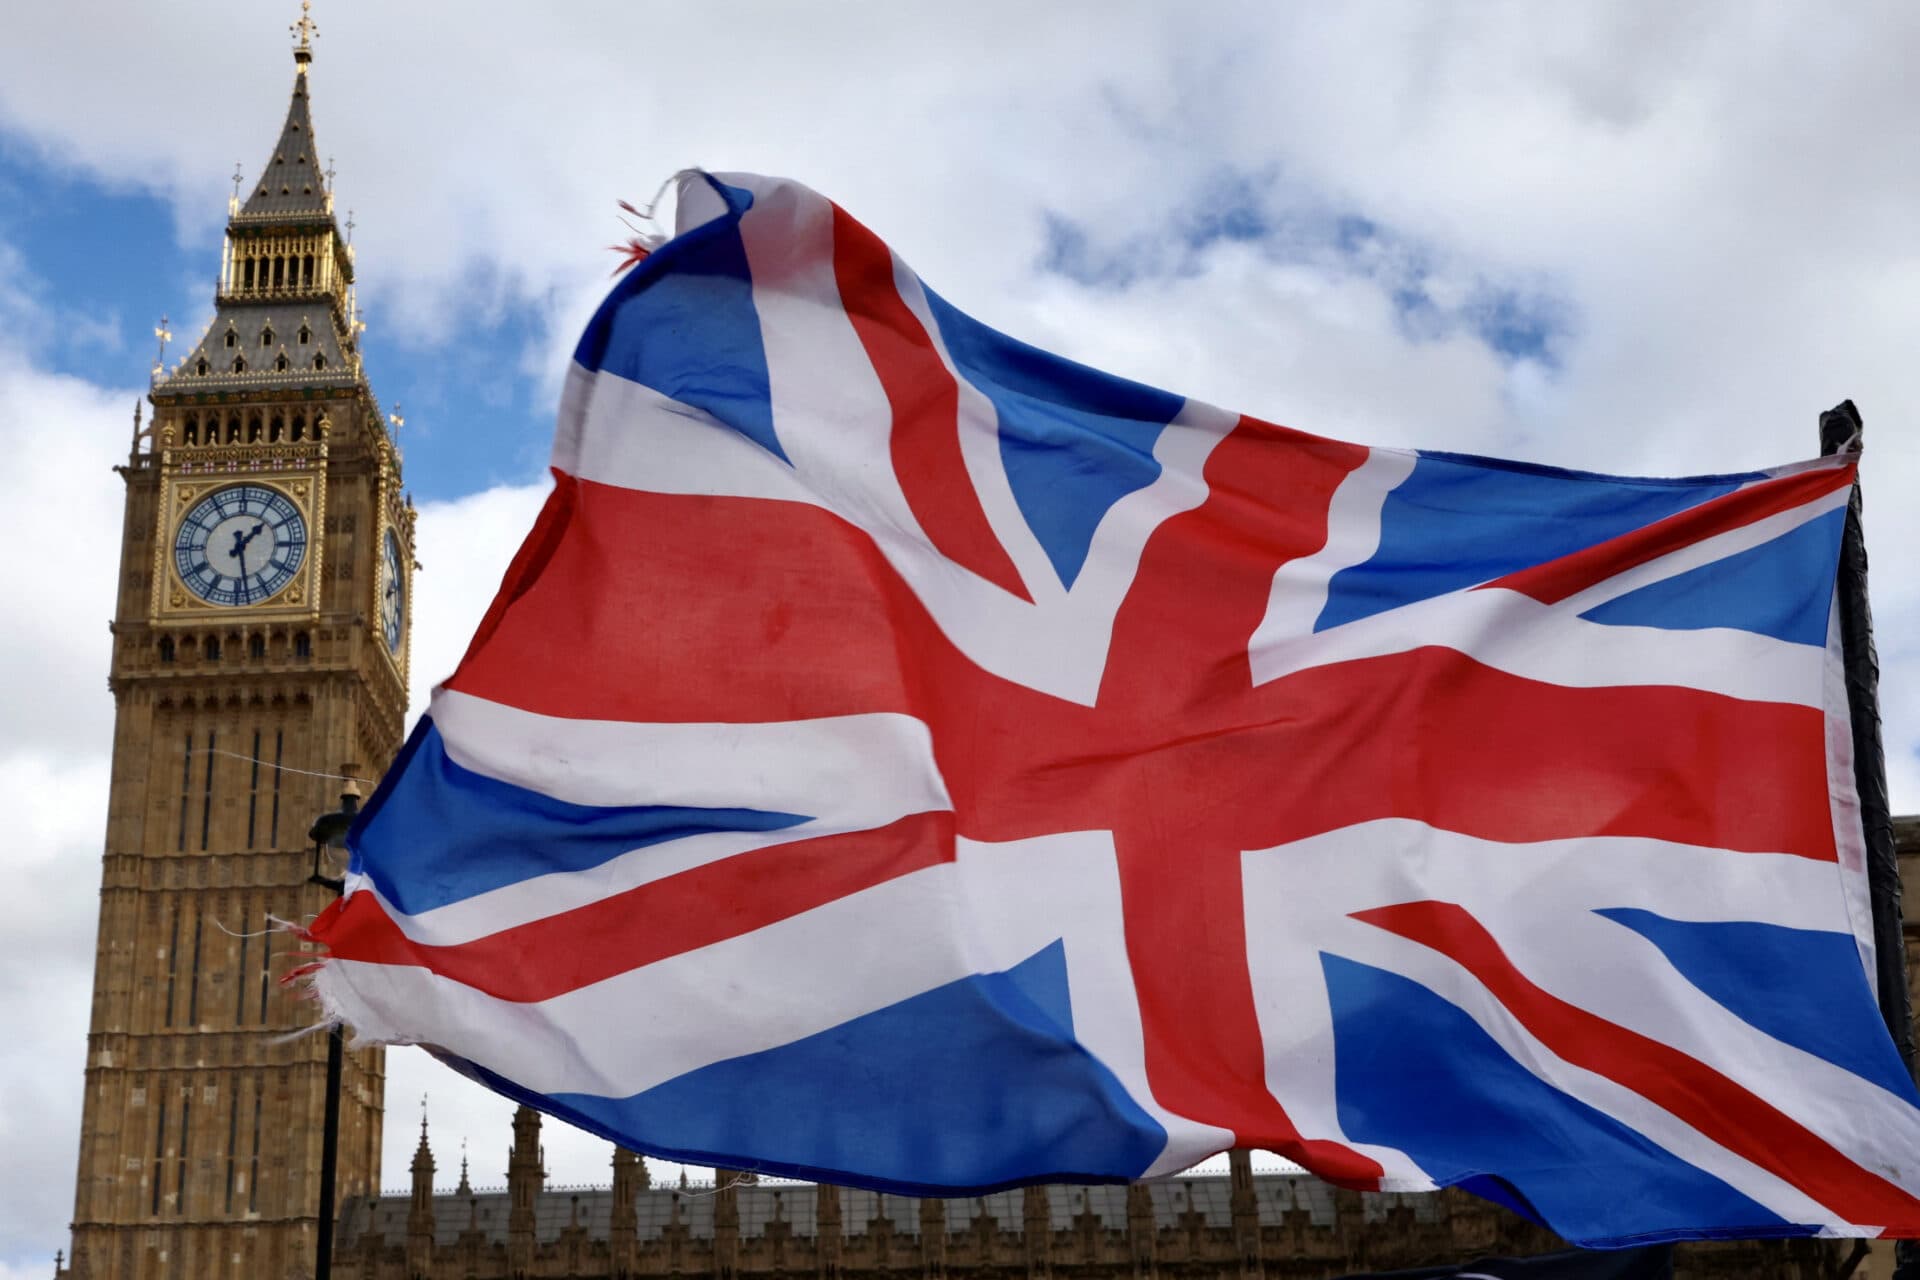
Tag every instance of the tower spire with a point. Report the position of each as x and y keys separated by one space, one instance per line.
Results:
x=305 y=29
x=420 y=1212
x=290 y=183
x=285 y=304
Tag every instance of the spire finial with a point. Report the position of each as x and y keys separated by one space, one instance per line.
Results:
x=396 y=420
x=165 y=335
x=423 y=1117
x=233 y=203
x=306 y=29
x=329 y=175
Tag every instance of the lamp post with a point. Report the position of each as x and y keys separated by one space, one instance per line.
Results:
x=329 y=831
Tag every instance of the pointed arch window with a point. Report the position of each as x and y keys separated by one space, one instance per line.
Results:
x=233 y=339
x=276 y=429
x=302 y=645
x=210 y=649
x=280 y=362
x=266 y=336
x=233 y=429
x=254 y=427
x=239 y=364
x=201 y=368
x=299 y=428
x=306 y=335
x=320 y=360
x=256 y=646
x=190 y=434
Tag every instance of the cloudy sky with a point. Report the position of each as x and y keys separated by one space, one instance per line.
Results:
x=1627 y=237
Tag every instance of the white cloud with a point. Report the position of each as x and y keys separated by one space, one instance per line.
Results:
x=55 y=813
x=60 y=510
x=464 y=548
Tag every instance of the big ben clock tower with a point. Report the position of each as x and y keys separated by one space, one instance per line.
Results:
x=260 y=647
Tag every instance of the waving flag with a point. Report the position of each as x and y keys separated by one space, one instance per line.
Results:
x=907 y=758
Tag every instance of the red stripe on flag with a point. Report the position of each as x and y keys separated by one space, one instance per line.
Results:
x=556 y=954
x=926 y=407
x=530 y=561
x=1556 y=580
x=1678 y=1083
x=679 y=608
x=666 y=608
x=1435 y=736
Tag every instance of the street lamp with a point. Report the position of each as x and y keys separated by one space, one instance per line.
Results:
x=329 y=831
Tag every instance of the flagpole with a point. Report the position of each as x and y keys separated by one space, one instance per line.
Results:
x=1840 y=431
x=1841 y=428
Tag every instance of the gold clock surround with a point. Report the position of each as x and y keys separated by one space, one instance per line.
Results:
x=300 y=484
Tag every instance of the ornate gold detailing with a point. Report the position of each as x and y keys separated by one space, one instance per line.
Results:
x=306 y=29
x=246 y=459
x=160 y=357
x=172 y=602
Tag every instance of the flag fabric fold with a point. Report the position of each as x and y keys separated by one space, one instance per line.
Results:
x=1654 y=1262
x=904 y=757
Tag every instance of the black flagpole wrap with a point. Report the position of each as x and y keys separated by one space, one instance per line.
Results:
x=1840 y=429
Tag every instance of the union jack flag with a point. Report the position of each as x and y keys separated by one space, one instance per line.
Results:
x=904 y=757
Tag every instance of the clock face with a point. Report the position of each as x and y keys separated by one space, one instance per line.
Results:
x=240 y=545
x=393 y=593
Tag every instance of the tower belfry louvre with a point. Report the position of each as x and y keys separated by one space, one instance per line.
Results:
x=259 y=656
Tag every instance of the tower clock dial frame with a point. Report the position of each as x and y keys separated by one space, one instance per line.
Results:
x=247 y=541
x=240 y=545
x=393 y=592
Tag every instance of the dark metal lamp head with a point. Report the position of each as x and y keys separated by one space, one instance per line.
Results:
x=329 y=831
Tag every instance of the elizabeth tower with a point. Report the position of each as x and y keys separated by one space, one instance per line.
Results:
x=259 y=654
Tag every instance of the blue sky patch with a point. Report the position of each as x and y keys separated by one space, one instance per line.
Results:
x=1433 y=299
x=476 y=415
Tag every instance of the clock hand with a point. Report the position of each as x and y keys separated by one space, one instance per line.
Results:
x=240 y=542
